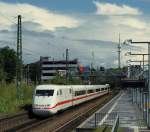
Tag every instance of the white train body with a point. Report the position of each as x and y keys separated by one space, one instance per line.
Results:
x=49 y=99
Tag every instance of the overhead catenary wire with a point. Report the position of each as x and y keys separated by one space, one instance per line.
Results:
x=26 y=50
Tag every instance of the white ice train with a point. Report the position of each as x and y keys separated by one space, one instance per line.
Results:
x=49 y=99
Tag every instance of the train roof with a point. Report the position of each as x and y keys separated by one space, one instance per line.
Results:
x=52 y=86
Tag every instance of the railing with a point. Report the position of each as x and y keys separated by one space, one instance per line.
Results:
x=102 y=119
x=109 y=121
x=115 y=125
x=102 y=122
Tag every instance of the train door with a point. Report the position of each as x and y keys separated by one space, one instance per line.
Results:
x=72 y=95
x=67 y=96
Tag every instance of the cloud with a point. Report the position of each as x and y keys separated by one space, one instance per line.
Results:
x=45 y=19
x=89 y=36
x=49 y=33
x=128 y=21
x=114 y=9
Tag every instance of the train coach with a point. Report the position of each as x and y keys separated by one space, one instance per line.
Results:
x=49 y=99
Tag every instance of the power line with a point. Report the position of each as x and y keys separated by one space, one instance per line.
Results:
x=26 y=49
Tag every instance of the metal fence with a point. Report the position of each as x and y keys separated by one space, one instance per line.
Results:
x=101 y=121
x=115 y=125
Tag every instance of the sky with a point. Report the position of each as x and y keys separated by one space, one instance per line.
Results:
x=89 y=28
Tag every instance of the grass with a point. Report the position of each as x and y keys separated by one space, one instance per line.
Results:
x=103 y=129
x=121 y=129
x=9 y=103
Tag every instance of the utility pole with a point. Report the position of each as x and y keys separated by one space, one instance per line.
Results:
x=93 y=60
x=119 y=52
x=67 y=58
x=63 y=56
x=28 y=74
x=148 y=111
x=19 y=58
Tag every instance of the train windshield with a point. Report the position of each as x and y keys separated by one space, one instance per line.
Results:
x=44 y=92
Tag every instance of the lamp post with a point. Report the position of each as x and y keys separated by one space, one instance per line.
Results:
x=144 y=42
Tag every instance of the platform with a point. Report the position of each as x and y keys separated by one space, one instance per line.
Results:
x=130 y=118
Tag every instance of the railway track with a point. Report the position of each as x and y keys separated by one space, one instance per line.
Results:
x=13 y=121
x=7 y=117
x=77 y=120
x=65 y=121
x=3 y=116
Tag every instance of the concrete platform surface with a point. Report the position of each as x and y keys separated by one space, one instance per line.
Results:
x=130 y=118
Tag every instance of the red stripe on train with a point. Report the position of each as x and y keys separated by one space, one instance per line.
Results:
x=71 y=100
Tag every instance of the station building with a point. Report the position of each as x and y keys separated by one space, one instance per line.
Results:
x=49 y=68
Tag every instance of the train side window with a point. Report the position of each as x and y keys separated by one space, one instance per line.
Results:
x=75 y=93
x=60 y=91
x=102 y=89
x=97 y=90
x=91 y=91
x=78 y=93
x=70 y=91
x=57 y=92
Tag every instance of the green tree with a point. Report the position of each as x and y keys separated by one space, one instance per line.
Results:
x=8 y=60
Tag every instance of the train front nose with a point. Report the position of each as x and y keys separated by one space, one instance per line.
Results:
x=41 y=110
x=41 y=106
x=42 y=101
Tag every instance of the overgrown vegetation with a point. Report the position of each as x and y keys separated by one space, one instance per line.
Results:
x=8 y=99
x=9 y=103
